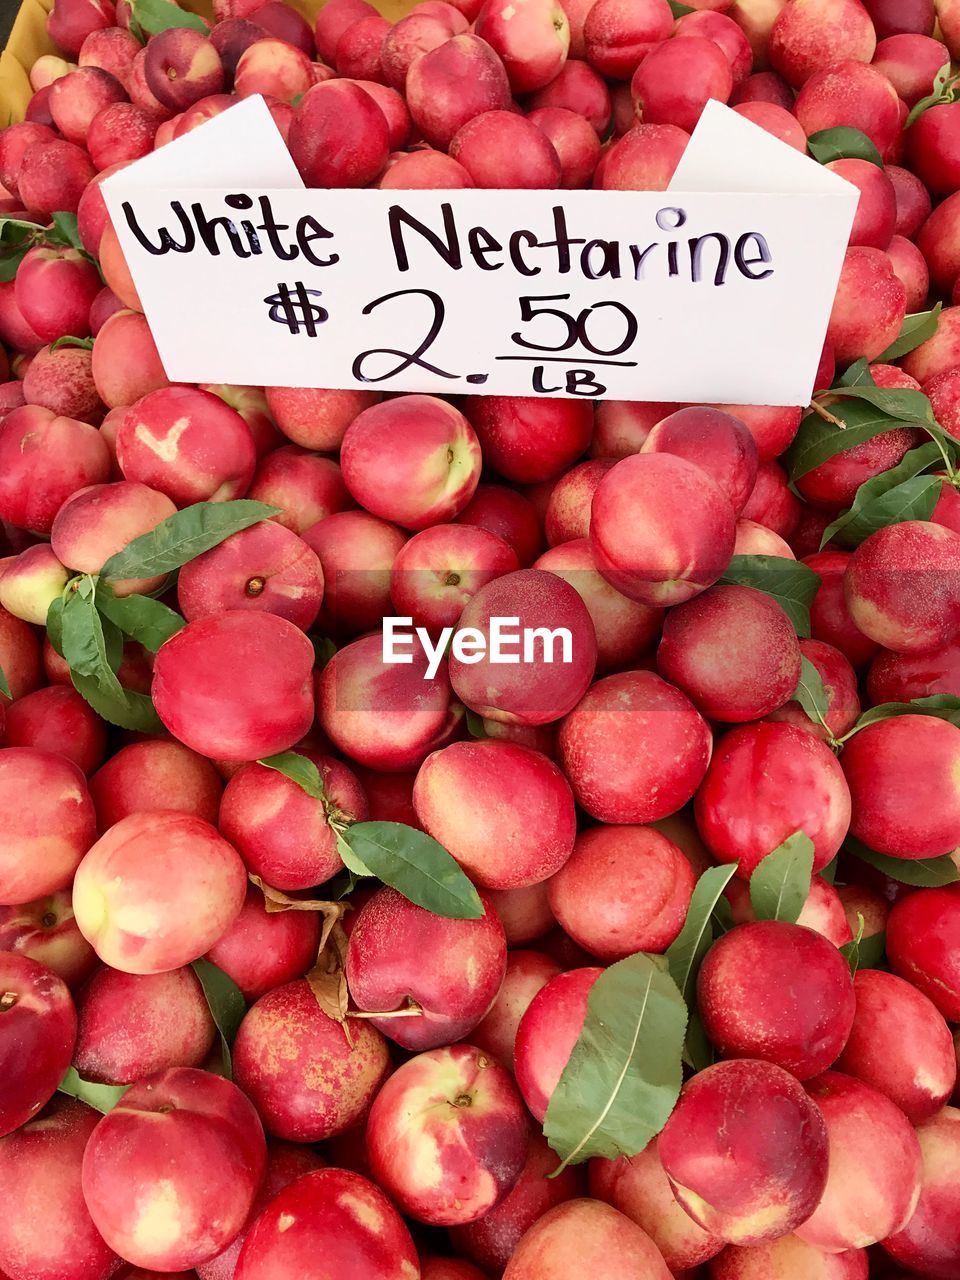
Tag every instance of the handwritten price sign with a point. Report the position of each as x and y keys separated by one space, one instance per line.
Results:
x=719 y=296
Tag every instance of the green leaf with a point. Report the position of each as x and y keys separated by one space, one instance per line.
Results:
x=811 y=694
x=871 y=951
x=697 y=1050
x=68 y=340
x=623 y=1077
x=857 y=375
x=916 y=329
x=182 y=537
x=119 y=706
x=18 y=230
x=818 y=441
x=10 y=264
x=227 y=1006
x=860 y=520
x=4 y=685
x=693 y=941
x=417 y=866
x=780 y=884
x=842 y=143
x=792 y=584
x=851 y=950
x=90 y=648
x=298 y=769
x=102 y=1097
x=829 y=872
x=679 y=10
x=354 y=865
x=475 y=725
x=154 y=16
x=945 y=706
x=65 y=230
x=55 y=624
x=141 y=618
x=323 y=650
x=900 y=403
x=943 y=85
x=915 y=499
x=722 y=916
x=923 y=873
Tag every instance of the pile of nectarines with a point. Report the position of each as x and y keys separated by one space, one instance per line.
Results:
x=316 y=964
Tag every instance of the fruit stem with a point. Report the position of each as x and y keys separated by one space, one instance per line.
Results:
x=826 y=415
x=7 y=1001
x=412 y=1010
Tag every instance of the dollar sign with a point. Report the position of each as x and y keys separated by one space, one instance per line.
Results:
x=292 y=306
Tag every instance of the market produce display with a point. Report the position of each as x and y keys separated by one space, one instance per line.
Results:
x=634 y=954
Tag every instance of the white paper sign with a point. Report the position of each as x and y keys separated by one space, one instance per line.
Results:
x=693 y=295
